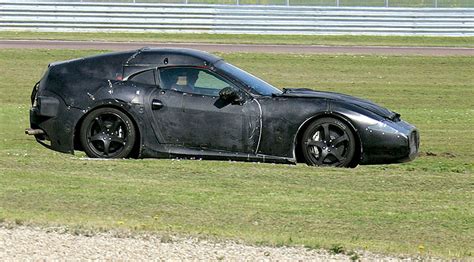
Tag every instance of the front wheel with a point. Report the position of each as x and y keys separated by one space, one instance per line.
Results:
x=107 y=133
x=328 y=142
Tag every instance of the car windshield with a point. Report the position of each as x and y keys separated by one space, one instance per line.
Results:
x=255 y=83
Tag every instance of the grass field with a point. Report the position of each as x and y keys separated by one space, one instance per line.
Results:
x=424 y=207
x=340 y=40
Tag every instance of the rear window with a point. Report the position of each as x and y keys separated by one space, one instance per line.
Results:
x=145 y=77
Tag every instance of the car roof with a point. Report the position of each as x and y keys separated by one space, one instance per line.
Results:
x=171 y=57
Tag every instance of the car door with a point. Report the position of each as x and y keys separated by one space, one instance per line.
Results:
x=169 y=102
x=193 y=115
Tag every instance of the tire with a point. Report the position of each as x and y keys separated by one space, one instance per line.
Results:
x=107 y=133
x=328 y=142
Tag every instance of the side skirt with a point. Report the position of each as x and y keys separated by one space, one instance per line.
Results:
x=189 y=153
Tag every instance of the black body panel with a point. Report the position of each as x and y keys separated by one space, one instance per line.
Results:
x=172 y=123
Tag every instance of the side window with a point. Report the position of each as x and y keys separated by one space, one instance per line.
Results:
x=192 y=80
x=145 y=77
x=206 y=80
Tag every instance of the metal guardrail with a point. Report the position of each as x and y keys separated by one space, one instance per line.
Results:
x=120 y=17
x=336 y=3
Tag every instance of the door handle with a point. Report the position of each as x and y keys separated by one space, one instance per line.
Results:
x=156 y=104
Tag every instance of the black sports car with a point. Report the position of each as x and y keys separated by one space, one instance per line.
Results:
x=169 y=103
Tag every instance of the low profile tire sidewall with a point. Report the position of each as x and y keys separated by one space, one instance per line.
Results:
x=131 y=133
x=311 y=129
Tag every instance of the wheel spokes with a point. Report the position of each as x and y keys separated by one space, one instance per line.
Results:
x=328 y=145
x=322 y=156
x=107 y=140
x=318 y=144
x=326 y=134
x=97 y=137
x=106 y=146
x=319 y=150
x=117 y=139
x=340 y=139
x=115 y=125
x=100 y=122
x=338 y=156
x=106 y=135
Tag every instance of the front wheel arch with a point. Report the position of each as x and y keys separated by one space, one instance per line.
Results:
x=137 y=146
x=297 y=140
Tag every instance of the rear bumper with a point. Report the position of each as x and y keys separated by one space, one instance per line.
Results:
x=52 y=123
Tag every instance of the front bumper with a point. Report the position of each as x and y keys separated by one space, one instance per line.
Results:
x=414 y=143
x=390 y=142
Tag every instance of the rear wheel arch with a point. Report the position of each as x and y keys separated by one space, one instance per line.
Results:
x=301 y=130
x=138 y=132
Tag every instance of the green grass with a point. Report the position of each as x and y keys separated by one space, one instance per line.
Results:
x=338 y=40
x=391 y=209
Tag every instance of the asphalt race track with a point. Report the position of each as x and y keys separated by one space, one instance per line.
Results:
x=247 y=48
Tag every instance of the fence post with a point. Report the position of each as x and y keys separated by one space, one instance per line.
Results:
x=337 y=3
x=237 y=2
x=386 y=3
x=287 y=2
x=436 y=3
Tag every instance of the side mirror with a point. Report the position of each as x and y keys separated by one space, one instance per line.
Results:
x=231 y=95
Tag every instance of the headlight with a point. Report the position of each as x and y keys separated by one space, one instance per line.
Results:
x=382 y=127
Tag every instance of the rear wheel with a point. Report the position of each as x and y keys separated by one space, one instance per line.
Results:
x=107 y=133
x=328 y=142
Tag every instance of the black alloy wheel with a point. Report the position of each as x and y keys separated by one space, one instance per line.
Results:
x=328 y=142
x=107 y=133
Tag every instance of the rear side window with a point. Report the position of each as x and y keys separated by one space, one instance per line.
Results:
x=145 y=77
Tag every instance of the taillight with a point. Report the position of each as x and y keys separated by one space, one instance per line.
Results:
x=34 y=95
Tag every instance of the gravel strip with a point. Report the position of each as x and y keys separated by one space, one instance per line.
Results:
x=31 y=243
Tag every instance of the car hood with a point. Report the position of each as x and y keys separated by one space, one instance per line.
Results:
x=366 y=104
